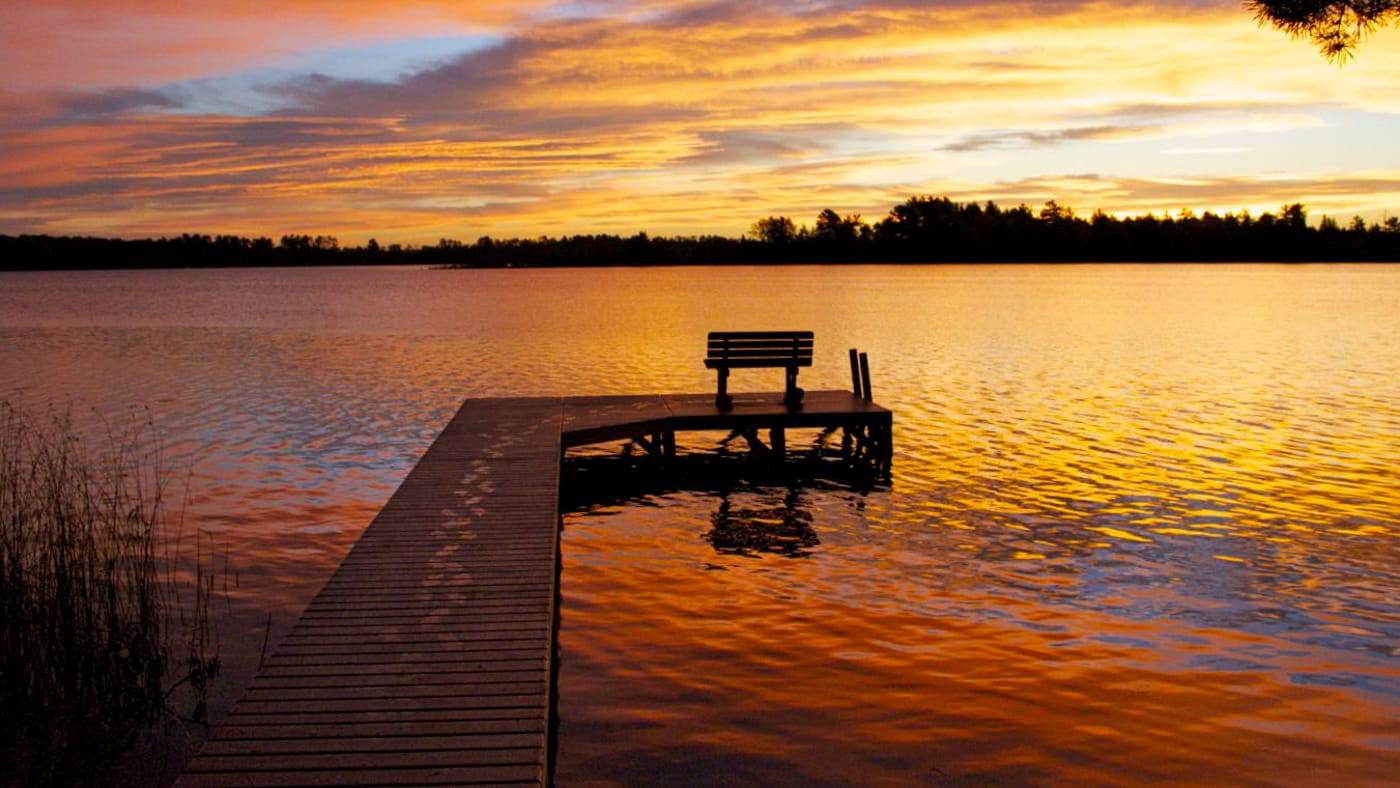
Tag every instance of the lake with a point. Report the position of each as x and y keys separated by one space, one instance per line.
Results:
x=1142 y=523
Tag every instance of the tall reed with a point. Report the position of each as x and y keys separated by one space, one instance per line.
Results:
x=90 y=597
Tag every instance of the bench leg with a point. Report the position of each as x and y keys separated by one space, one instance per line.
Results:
x=722 y=399
x=792 y=395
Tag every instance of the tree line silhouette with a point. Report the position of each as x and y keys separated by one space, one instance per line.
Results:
x=919 y=230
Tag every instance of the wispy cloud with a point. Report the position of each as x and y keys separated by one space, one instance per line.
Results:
x=1020 y=139
x=1217 y=151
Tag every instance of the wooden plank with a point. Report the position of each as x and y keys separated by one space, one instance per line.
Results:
x=374 y=730
x=758 y=348
x=529 y=704
x=765 y=411
x=757 y=336
x=508 y=640
x=604 y=419
x=456 y=677
x=758 y=361
x=345 y=759
x=238 y=775
x=305 y=721
x=281 y=692
x=488 y=610
x=417 y=742
x=500 y=651
x=723 y=348
x=362 y=600
x=479 y=669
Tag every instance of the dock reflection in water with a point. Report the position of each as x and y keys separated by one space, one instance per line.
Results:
x=772 y=518
x=784 y=530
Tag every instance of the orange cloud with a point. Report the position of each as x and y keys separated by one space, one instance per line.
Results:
x=694 y=120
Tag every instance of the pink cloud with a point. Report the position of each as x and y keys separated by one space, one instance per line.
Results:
x=47 y=44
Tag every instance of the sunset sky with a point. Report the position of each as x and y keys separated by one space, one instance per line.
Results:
x=422 y=119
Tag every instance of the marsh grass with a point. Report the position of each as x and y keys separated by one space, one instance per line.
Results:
x=103 y=615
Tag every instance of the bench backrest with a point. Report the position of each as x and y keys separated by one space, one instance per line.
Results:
x=759 y=349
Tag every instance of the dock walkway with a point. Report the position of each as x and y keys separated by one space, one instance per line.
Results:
x=427 y=658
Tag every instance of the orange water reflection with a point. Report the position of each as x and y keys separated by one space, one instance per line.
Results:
x=884 y=660
x=1142 y=525
x=1142 y=529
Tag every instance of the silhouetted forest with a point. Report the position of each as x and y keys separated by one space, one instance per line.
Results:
x=920 y=230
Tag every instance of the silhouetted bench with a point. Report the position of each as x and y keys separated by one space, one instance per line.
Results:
x=749 y=349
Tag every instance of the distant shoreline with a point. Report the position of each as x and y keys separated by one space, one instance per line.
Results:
x=409 y=264
x=922 y=230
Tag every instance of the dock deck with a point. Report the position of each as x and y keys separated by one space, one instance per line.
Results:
x=428 y=656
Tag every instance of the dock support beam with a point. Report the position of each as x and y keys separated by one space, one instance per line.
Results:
x=661 y=445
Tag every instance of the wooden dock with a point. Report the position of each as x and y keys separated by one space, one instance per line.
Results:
x=427 y=658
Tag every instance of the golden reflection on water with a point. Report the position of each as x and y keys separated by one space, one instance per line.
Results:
x=872 y=663
x=1142 y=527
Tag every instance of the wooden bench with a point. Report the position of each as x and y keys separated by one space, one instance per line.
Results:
x=752 y=349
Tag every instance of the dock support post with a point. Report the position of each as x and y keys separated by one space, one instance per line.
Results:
x=777 y=441
x=659 y=445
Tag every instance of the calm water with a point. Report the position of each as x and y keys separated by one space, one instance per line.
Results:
x=1142 y=527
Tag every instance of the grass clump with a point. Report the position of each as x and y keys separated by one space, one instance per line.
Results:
x=92 y=600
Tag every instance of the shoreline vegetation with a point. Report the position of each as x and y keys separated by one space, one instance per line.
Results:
x=104 y=613
x=920 y=230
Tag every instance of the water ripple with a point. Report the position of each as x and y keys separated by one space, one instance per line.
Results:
x=1142 y=526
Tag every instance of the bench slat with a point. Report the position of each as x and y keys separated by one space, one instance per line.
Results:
x=760 y=350
x=756 y=363
x=772 y=347
x=756 y=352
x=773 y=343
x=732 y=335
x=715 y=339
